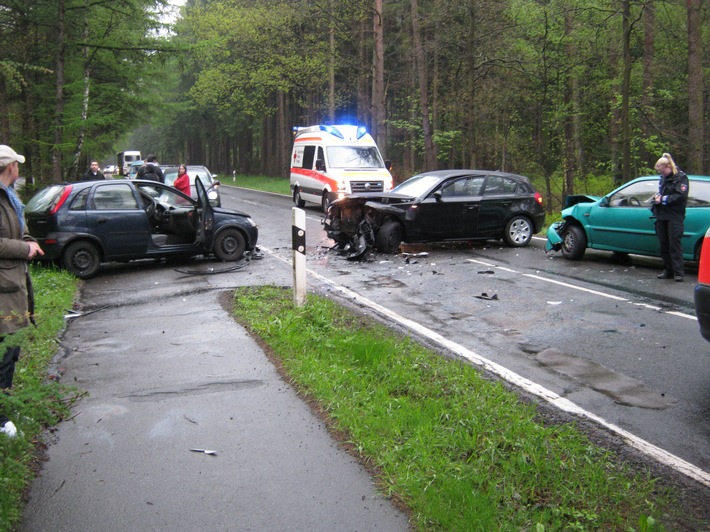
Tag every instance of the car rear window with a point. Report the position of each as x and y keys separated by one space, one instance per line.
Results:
x=44 y=200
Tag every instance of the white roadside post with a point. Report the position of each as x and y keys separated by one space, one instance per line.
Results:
x=298 y=236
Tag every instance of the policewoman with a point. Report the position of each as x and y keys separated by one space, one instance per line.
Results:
x=669 y=208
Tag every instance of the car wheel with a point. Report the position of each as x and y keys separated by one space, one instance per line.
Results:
x=229 y=245
x=518 y=231
x=297 y=199
x=81 y=259
x=574 y=242
x=389 y=237
x=325 y=202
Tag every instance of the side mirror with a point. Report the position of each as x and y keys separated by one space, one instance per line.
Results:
x=320 y=165
x=388 y=165
x=604 y=202
x=437 y=195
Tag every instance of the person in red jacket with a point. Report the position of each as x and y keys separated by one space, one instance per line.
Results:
x=182 y=182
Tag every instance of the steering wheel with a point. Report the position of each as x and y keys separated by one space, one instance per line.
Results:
x=150 y=207
x=634 y=201
x=160 y=213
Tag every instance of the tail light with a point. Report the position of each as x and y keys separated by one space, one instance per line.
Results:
x=60 y=201
x=704 y=266
x=538 y=198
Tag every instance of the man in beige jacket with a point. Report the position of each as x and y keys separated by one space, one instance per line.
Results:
x=17 y=248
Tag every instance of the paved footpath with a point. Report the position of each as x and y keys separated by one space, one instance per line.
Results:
x=168 y=370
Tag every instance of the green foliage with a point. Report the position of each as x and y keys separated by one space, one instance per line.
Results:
x=461 y=452
x=36 y=401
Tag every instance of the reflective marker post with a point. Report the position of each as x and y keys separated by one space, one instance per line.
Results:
x=298 y=236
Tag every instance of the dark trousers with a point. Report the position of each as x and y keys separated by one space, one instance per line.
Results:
x=670 y=234
x=7 y=370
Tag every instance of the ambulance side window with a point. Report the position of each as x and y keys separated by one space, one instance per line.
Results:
x=308 y=156
x=320 y=161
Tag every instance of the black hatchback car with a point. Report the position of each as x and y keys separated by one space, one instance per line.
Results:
x=81 y=225
x=435 y=207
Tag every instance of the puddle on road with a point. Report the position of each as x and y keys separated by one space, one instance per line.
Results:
x=620 y=388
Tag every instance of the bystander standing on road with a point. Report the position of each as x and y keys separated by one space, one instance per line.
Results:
x=17 y=248
x=93 y=173
x=182 y=182
x=151 y=170
x=669 y=209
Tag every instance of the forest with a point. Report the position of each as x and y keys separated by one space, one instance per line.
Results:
x=575 y=94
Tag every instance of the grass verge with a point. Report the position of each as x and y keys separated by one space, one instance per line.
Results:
x=35 y=402
x=278 y=185
x=458 y=451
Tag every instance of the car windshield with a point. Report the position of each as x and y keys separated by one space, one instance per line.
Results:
x=354 y=157
x=193 y=172
x=416 y=186
x=43 y=201
x=167 y=197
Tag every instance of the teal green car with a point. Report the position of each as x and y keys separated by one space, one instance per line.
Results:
x=622 y=221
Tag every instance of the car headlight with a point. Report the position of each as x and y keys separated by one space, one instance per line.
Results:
x=212 y=194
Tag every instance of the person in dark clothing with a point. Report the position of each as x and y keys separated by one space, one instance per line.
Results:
x=151 y=170
x=17 y=248
x=93 y=173
x=669 y=209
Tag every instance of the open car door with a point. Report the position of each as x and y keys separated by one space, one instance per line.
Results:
x=206 y=215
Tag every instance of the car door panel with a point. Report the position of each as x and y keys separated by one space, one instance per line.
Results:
x=113 y=215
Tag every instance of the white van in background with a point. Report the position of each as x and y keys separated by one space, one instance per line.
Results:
x=125 y=158
x=329 y=162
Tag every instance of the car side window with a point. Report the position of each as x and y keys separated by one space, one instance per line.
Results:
x=79 y=202
x=114 y=197
x=635 y=195
x=699 y=194
x=309 y=155
x=463 y=187
x=496 y=185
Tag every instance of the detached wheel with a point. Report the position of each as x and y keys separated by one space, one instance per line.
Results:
x=574 y=242
x=229 y=245
x=81 y=259
x=518 y=231
x=389 y=237
x=297 y=199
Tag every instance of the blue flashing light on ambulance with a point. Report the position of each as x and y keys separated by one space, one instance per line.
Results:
x=330 y=162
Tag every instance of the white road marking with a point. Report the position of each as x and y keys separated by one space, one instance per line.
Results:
x=588 y=290
x=529 y=386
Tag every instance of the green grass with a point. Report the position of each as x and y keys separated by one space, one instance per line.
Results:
x=35 y=402
x=460 y=452
x=279 y=185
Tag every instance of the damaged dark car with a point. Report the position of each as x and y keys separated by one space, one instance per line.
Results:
x=439 y=206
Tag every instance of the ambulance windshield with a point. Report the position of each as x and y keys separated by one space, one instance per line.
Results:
x=354 y=157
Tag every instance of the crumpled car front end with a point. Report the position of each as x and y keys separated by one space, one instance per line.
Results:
x=554 y=240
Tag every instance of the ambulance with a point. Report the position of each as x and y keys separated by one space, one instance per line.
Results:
x=330 y=162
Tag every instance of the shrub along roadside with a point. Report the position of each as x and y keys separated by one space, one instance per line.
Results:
x=35 y=401
x=460 y=452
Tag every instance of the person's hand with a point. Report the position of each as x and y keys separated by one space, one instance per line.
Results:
x=657 y=198
x=34 y=250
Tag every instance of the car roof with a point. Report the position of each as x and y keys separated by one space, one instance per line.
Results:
x=445 y=174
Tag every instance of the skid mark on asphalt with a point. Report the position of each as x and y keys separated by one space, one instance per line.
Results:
x=587 y=290
x=661 y=455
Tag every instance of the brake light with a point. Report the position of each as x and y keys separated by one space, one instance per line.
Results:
x=704 y=266
x=538 y=198
x=62 y=198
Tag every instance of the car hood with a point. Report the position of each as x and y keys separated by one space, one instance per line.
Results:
x=221 y=210
x=580 y=198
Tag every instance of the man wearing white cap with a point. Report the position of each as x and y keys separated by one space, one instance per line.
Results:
x=17 y=248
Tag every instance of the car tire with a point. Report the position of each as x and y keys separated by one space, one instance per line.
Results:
x=574 y=242
x=229 y=245
x=297 y=199
x=325 y=202
x=81 y=259
x=389 y=237
x=518 y=231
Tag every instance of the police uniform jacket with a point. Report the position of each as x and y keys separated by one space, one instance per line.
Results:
x=15 y=287
x=674 y=197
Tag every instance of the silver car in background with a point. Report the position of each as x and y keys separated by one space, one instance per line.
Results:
x=194 y=171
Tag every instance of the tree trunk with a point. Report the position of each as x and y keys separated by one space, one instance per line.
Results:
x=59 y=95
x=421 y=66
x=626 y=91
x=377 y=128
x=570 y=160
x=647 y=119
x=75 y=169
x=696 y=127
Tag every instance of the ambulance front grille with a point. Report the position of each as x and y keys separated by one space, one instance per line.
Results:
x=367 y=186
